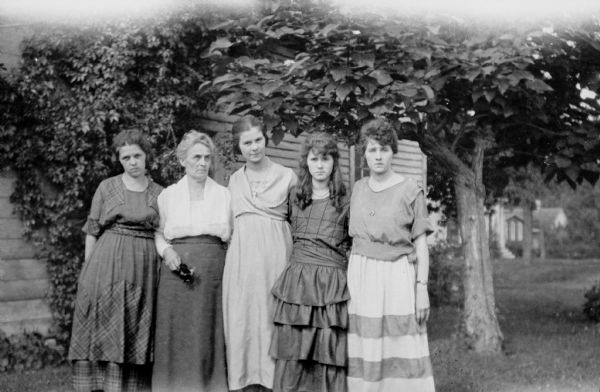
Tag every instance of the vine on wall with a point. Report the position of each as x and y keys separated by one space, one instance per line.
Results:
x=75 y=89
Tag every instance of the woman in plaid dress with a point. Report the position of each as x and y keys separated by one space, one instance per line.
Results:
x=111 y=342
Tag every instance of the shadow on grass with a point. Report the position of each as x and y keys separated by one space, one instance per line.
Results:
x=549 y=345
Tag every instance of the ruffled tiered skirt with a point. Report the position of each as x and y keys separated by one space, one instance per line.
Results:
x=311 y=319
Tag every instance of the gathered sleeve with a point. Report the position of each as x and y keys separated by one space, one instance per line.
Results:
x=421 y=224
x=92 y=225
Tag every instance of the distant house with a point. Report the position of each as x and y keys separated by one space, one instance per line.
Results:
x=543 y=218
x=506 y=224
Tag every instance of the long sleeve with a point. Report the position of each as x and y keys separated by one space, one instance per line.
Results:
x=159 y=234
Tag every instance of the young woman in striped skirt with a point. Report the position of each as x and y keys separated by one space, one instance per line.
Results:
x=389 y=303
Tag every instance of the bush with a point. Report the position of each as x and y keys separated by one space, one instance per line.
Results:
x=28 y=351
x=591 y=307
x=445 y=275
x=515 y=247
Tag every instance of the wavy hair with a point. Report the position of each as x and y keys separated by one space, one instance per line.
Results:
x=381 y=131
x=320 y=143
x=191 y=138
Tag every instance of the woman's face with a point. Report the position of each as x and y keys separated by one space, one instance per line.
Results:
x=197 y=162
x=320 y=166
x=133 y=160
x=252 y=145
x=379 y=158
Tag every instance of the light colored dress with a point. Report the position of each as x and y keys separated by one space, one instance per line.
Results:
x=190 y=348
x=387 y=348
x=259 y=250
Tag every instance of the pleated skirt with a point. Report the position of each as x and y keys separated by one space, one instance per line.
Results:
x=387 y=348
x=189 y=344
x=114 y=306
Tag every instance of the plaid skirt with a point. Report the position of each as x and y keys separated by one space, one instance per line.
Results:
x=110 y=377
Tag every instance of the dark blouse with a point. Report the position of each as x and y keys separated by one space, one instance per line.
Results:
x=319 y=232
x=109 y=208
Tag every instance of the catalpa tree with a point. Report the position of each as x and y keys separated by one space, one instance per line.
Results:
x=473 y=97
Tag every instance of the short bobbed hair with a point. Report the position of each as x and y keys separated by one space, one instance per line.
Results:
x=191 y=138
x=321 y=144
x=380 y=131
x=244 y=124
x=128 y=137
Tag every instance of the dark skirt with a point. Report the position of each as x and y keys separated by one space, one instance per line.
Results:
x=311 y=319
x=114 y=306
x=189 y=343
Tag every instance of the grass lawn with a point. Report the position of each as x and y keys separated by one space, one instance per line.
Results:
x=549 y=345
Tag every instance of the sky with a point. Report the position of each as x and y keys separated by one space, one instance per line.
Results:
x=496 y=9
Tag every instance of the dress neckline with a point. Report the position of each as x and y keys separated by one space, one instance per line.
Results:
x=134 y=191
x=385 y=189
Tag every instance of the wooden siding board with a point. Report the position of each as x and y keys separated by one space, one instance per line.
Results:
x=7 y=209
x=11 y=311
x=41 y=325
x=16 y=249
x=7 y=185
x=11 y=228
x=19 y=290
x=22 y=269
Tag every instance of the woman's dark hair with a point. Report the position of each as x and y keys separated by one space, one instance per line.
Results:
x=382 y=132
x=323 y=144
x=127 y=137
x=244 y=124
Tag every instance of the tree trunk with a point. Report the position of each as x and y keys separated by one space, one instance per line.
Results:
x=527 y=232
x=542 y=244
x=480 y=323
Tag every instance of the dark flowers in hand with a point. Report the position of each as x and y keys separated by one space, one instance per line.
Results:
x=185 y=273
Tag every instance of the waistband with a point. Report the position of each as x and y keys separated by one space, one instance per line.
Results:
x=198 y=239
x=130 y=231
x=320 y=256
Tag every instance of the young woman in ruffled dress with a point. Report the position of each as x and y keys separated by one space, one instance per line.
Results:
x=389 y=305
x=311 y=318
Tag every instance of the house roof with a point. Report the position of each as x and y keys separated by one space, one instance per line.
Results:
x=545 y=216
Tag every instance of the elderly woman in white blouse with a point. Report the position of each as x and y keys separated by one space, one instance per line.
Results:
x=194 y=225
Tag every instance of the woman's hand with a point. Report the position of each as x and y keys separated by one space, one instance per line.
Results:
x=422 y=303
x=171 y=259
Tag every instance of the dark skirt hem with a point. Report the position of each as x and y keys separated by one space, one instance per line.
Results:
x=307 y=376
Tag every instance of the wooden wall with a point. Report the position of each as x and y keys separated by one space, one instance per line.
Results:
x=23 y=279
x=409 y=161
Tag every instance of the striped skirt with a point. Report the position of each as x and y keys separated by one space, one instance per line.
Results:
x=387 y=349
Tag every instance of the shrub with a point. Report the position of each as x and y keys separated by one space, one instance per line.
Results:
x=445 y=275
x=28 y=351
x=591 y=307
x=515 y=247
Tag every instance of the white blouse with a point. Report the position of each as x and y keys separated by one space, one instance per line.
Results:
x=181 y=217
